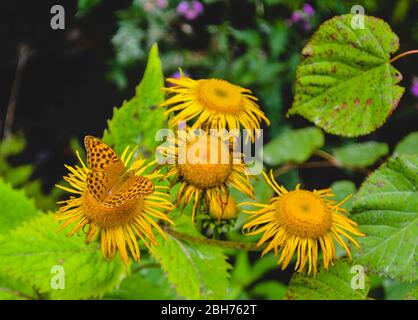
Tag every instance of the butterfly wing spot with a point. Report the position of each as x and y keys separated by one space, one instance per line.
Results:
x=96 y=182
x=134 y=188
x=107 y=181
x=102 y=157
x=142 y=187
x=115 y=201
x=105 y=165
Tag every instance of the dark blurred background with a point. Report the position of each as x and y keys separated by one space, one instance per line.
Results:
x=69 y=81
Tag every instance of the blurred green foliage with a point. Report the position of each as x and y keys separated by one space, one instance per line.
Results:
x=21 y=176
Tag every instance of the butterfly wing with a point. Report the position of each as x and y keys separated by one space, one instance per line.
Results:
x=133 y=188
x=101 y=157
x=106 y=167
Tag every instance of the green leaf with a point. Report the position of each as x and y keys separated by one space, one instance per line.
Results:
x=147 y=284
x=395 y=290
x=139 y=119
x=334 y=284
x=15 y=207
x=342 y=189
x=197 y=271
x=247 y=36
x=360 y=154
x=244 y=273
x=408 y=144
x=272 y=290
x=84 y=6
x=33 y=249
x=345 y=83
x=293 y=146
x=412 y=295
x=12 y=145
x=386 y=208
x=13 y=289
x=278 y=38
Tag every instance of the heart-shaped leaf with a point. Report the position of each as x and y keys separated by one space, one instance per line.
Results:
x=345 y=83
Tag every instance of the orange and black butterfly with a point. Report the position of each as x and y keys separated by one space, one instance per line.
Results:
x=108 y=180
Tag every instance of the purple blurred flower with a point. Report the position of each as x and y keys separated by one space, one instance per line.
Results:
x=296 y=16
x=177 y=74
x=182 y=7
x=302 y=17
x=308 y=9
x=414 y=87
x=197 y=6
x=190 y=10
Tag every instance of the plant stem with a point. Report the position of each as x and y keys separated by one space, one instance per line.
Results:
x=314 y=164
x=22 y=59
x=402 y=55
x=325 y=155
x=214 y=242
x=330 y=161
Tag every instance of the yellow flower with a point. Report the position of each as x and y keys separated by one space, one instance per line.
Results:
x=304 y=222
x=206 y=166
x=215 y=103
x=223 y=208
x=119 y=225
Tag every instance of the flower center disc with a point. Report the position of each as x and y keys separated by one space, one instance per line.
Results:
x=108 y=217
x=219 y=95
x=304 y=214
x=203 y=169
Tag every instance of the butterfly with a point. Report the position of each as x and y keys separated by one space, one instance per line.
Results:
x=108 y=180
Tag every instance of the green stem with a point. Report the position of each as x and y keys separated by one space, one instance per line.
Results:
x=213 y=242
x=402 y=55
x=325 y=155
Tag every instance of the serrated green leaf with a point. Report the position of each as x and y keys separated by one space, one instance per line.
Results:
x=345 y=83
x=137 y=121
x=197 y=271
x=386 y=208
x=360 y=154
x=15 y=207
x=408 y=145
x=293 y=146
x=334 y=284
x=35 y=247
x=13 y=289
